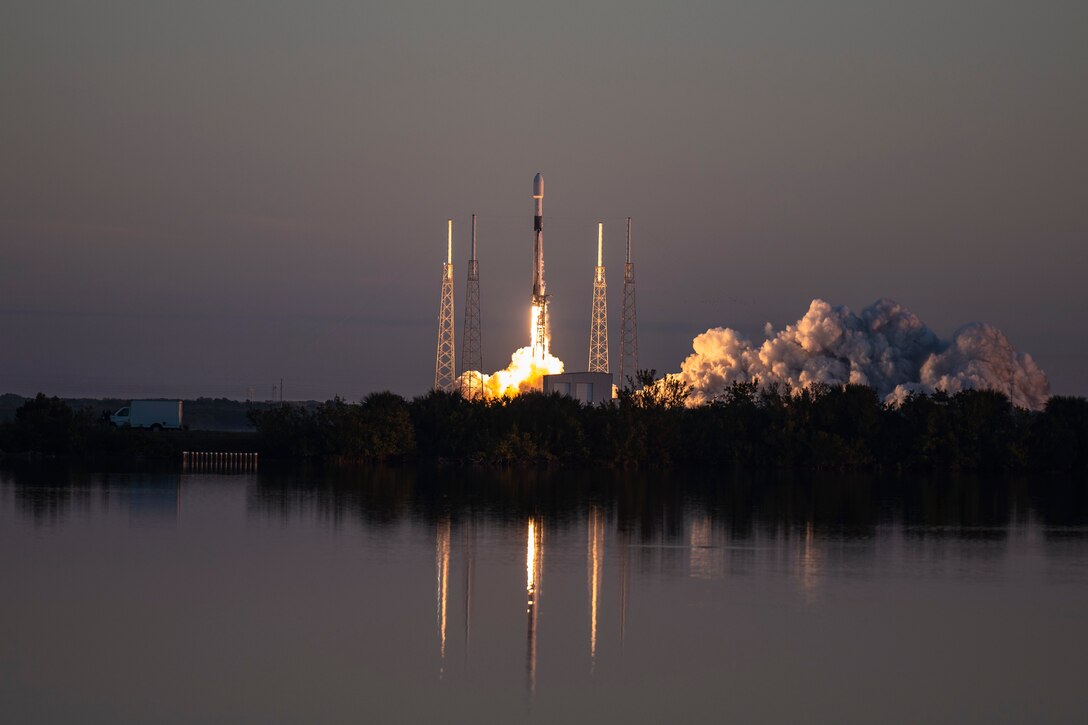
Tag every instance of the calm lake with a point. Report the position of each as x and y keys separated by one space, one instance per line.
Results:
x=392 y=595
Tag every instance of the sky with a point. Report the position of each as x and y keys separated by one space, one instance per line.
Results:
x=203 y=198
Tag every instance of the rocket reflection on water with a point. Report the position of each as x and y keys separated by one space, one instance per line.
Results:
x=534 y=561
x=594 y=563
x=442 y=582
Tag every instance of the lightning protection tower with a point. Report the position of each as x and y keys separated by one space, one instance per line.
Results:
x=445 y=375
x=471 y=345
x=598 y=325
x=629 y=323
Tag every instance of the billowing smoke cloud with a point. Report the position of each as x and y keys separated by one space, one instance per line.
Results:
x=886 y=347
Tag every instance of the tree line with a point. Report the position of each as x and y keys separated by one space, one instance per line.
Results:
x=748 y=427
x=217 y=414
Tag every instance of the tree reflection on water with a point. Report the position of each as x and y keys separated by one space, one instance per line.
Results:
x=647 y=507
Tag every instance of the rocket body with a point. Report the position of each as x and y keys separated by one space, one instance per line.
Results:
x=538 y=240
x=539 y=335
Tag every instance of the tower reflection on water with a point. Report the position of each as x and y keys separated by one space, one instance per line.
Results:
x=468 y=551
x=708 y=557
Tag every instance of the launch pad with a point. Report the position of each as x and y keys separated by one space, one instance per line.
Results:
x=529 y=365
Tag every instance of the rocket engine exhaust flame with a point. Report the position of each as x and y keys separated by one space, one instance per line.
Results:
x=524 y=374
x=886 y=346
x=539 y=340
x=526 y=371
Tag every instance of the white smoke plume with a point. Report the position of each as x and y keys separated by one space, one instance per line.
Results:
x=886 y=347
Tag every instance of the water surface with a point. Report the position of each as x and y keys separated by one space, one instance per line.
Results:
x=388 y=595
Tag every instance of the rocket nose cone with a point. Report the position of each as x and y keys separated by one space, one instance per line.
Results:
x=538 y=186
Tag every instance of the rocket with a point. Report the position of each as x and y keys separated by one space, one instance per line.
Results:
x=539 y=296
x=538 y=335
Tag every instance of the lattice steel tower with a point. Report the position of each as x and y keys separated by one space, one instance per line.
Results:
x=598 y=320
x=445 y=367
x=629 y=323
x=472 y=357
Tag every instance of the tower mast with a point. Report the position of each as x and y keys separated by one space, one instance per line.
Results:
x=445 y=358
x=629 y=322
x=598 y=325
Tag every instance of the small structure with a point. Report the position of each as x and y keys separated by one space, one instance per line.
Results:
x=591 y=388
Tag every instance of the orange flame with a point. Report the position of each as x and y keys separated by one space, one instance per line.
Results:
x=524 y=374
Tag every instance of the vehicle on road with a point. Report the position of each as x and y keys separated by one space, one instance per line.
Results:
x=153 y=414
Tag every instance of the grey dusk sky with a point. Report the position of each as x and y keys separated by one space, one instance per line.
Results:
x=200 y=198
